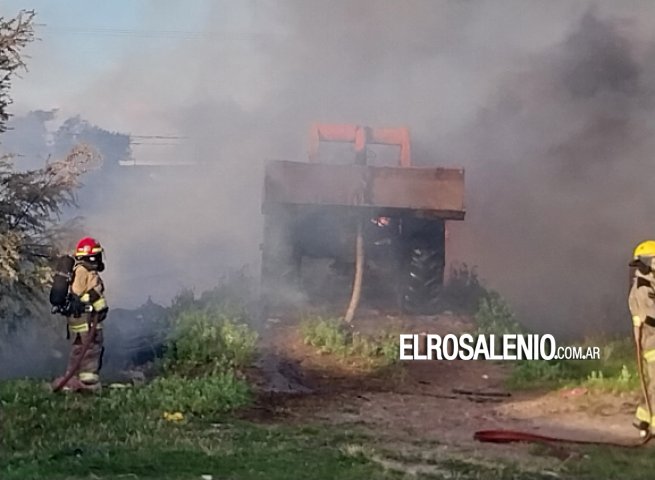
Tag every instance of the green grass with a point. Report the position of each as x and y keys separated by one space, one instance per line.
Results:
x=332 y=335
x=128 y=433
x=615 y=370
x=602 y=462
x=609 y=463
x=437 y=464
x=123 y=432
x=584 y=462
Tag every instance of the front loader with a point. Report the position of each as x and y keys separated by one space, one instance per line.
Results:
x=312 y=210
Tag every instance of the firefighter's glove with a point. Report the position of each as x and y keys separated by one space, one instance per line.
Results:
x=75 y=306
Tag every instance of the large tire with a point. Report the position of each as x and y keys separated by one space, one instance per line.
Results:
x=423 y=281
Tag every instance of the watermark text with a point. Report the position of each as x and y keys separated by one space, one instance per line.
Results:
x=490 y=347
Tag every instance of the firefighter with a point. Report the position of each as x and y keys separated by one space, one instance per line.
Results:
x=641 y=301
x=87 y=304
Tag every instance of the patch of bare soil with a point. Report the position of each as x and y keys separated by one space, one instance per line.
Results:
x=578 y=414
x=418 y=407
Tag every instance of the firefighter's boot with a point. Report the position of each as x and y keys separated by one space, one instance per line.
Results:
x=72 y=385
x=643 y=427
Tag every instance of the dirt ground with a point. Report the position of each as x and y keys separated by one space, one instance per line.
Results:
x=414 y=409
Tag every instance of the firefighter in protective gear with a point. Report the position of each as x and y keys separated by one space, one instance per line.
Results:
x=88 y=299
x=641 y=302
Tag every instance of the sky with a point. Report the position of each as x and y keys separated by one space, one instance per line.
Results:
x=82 y=41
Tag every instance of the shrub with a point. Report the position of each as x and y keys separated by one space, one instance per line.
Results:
x=209 y=342
x=331 y=335
x=542 y=373
x=494 y=316
x=463 y=290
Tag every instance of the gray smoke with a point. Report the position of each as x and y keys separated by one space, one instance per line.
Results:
x=546 y=104
x=559 y=190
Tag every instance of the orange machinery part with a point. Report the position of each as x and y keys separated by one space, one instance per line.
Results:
x=361 y=136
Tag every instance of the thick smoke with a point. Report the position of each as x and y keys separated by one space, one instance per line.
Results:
x=559 y=185
x=546 y=104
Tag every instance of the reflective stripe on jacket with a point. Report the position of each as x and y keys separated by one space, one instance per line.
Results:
x=88 y=286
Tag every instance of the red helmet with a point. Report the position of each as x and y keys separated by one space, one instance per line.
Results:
x=87 y=246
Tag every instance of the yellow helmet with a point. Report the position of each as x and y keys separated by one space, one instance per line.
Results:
x=644 y=249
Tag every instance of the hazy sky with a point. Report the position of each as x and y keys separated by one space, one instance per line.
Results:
x=85 y=43
x=82 y=41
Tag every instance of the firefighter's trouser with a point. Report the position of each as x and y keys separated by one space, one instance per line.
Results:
x=648 y=356
x=91 y=361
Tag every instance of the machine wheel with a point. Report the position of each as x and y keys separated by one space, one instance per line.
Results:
x=423 y=281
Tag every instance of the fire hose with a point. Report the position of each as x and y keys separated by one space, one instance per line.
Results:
x=508 y=436
x=358 y=275
x=85 y=348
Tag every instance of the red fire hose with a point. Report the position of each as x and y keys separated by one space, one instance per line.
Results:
x=85 y=347
x=508 y=436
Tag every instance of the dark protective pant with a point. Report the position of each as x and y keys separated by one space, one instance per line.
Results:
x=648 y=356
x=91 y=362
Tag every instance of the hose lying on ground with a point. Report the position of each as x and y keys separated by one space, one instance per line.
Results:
x=507 y=436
